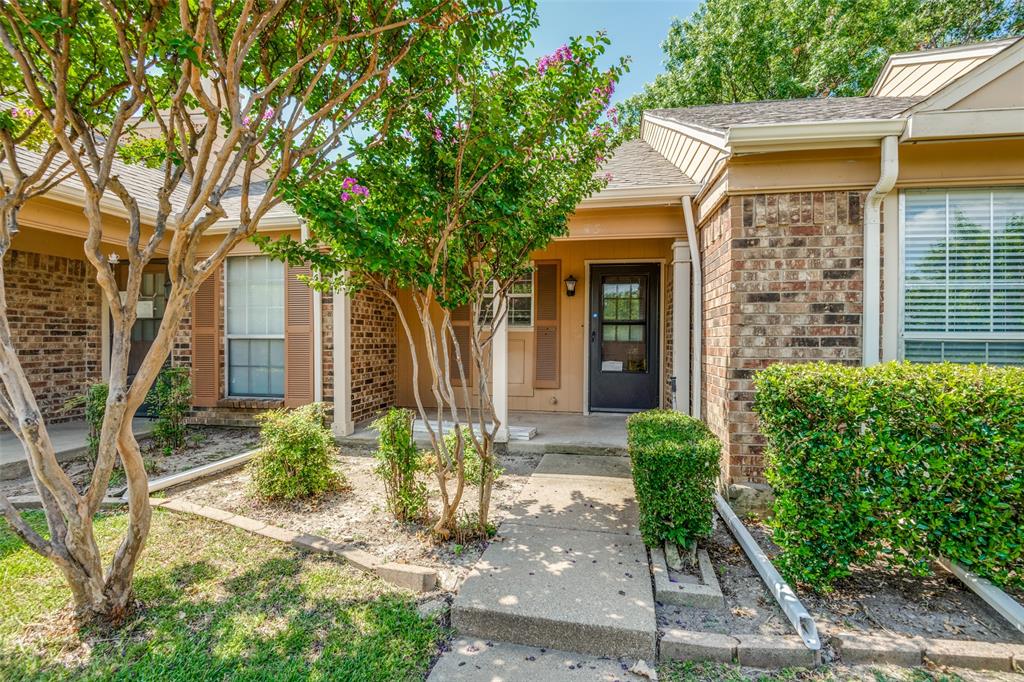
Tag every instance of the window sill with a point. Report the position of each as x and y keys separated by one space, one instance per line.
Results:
x=251 y=403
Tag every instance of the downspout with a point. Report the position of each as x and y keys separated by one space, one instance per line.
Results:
x=318 y=332
x=697 y=307
x=872 y=248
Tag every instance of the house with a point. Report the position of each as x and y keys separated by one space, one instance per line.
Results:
x=853 y=230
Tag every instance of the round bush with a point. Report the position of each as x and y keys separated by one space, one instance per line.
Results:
x=296 y=454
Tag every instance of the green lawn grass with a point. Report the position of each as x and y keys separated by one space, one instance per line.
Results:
x=217 y=604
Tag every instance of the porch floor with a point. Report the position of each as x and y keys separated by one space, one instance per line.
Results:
x=68 y=440
x=562 y=432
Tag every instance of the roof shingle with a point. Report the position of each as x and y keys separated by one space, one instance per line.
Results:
x=721 y=117
x=637 y=164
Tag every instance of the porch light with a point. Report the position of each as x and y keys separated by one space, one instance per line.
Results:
x=570 y=286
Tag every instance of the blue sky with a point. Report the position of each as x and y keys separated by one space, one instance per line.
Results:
x=636 y=28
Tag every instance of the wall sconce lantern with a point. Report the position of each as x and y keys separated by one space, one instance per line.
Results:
x=570 y=286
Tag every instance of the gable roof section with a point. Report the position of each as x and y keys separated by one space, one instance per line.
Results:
x=924 y=72
x=720 y=118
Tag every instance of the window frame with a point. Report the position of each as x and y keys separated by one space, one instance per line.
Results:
x=229 y=337
x=489 y=301
x=968 y=337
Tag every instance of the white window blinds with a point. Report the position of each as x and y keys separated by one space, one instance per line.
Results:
x=963 y=275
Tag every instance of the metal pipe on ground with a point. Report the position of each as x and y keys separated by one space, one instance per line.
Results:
x=782 y=592
x=1005 y=605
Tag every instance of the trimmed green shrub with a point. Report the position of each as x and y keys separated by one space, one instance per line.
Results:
x=675 y=461
x=171 y=398
x=898 y=461
x=296 y=452
x=399 y=461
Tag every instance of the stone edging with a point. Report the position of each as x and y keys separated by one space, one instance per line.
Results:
x=756 y=651
x=408 y=576
x=913 y=651
x=706 y=595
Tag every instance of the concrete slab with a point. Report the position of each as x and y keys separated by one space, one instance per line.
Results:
x=68 y=440
x=561 y=464
x=569 y=589
x=600 y=504
x=565 y=432
x=477 y=660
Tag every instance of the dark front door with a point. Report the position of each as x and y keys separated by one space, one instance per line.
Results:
x=625 y=367
x=152 y=299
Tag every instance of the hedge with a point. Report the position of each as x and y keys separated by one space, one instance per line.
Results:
x=674 y=459
x=898 y=461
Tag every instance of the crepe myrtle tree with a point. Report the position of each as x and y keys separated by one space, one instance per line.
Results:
x=447 y=207
x=222 y=98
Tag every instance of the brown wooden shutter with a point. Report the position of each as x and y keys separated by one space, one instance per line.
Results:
x=462 y=320
x=547 y=280
x=298 y=338
x=205 y=334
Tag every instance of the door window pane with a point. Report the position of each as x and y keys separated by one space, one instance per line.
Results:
x=623 y=323
x=255 y=326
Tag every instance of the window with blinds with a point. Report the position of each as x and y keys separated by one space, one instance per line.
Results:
x=255 y=327
x=963 y=276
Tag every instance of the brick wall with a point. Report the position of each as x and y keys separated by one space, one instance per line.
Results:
x=54 y=309
x=374 y=355
x=783 y=283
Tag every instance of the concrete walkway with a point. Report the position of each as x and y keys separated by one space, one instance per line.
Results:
x=568 y=571
x=556 y=432
x=68 y=440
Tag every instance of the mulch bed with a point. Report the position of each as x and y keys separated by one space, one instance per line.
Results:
x=357 y=515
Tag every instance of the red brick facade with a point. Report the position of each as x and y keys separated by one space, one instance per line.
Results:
x=783 y=282
x=374 y=355
x=55 y=311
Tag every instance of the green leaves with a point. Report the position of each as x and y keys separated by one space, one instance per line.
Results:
x=296 y=455
x=898 y=461
x=674 y=460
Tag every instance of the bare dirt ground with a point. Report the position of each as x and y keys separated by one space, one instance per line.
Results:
x=358 y=516
x=880 y=600
x=204 y=444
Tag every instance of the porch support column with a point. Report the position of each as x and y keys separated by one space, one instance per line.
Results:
x=681 y=326
x=499 y=371
x=342 y=325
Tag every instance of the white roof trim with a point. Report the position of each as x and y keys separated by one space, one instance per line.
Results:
x=765 y=137
x=940 y=55
x=640 y=196
x=985 y=123
x=973 y=80
x=716 y=140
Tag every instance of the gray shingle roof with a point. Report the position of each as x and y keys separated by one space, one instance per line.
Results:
x=143 y=183
x=637 y=164
x=721 y=117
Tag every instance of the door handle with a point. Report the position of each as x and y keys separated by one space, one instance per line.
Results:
x=593 y=335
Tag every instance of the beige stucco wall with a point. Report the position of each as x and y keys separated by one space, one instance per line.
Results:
x=574 y=253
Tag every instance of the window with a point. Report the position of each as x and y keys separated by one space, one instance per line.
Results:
x=963 y=276
x=255 y=327
x=520 y=304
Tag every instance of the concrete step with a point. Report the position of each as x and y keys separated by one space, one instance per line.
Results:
x=478 y=660
x=562 y=588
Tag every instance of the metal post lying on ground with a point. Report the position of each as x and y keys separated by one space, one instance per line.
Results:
x=784 y=595
x=1004 y=604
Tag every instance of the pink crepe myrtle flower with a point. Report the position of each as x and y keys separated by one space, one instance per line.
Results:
x=429 y=115
x=268 y=114
x=350 y=188
x=438 y=135
x=562 y=54
x=608 y=177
